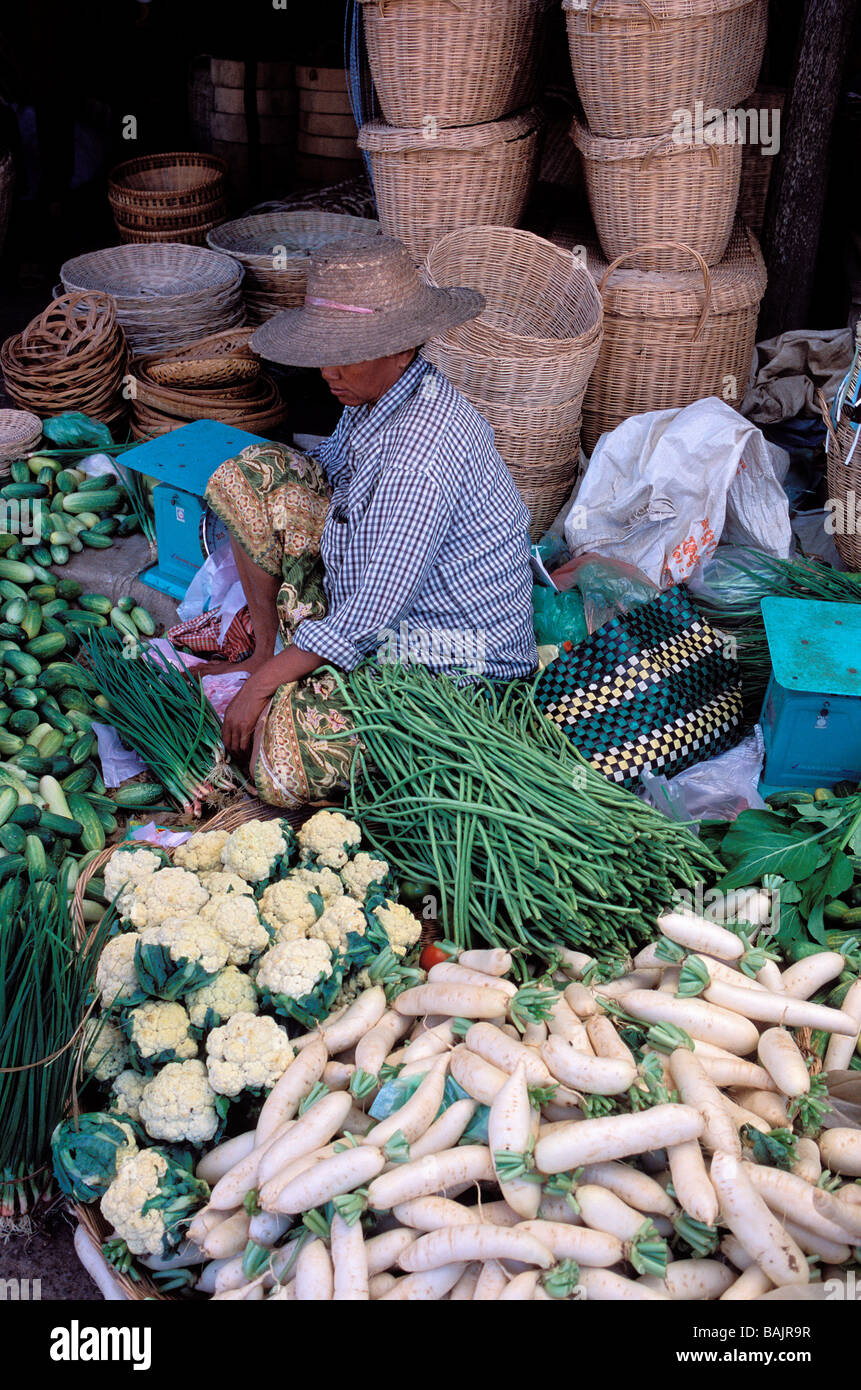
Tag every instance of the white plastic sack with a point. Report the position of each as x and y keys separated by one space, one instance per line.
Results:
x=216 y=585
x=664 y=488
x=718 y=789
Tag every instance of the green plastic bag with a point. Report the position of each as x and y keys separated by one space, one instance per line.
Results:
x=556 y=617
x=74 y=430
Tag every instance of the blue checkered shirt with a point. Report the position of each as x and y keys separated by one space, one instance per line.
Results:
x=426 y=541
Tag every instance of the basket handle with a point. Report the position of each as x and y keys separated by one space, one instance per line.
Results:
x=665 y=142
x=381 y=5
x=825 y=411
x=653 y=18
x=666 y=246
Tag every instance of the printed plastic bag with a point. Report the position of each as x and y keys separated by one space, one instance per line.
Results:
x=664 y=488
x=607 y=587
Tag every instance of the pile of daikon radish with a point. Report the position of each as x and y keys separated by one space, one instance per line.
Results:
x=556 y=1204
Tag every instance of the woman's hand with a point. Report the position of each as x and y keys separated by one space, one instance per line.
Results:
x=241 y=717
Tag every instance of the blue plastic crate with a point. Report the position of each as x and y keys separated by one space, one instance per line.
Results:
x=186 y=530
x=811 y=717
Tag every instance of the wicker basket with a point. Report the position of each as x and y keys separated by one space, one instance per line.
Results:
x=536 y=341
x=90 y=1217
x=168 y=197
x=545 y=491
x=427 y=186
x=19 y=431
x=72 y=356
x=453 y=62
x=638 y=62
x=166 y=294
x=532 y=438
x=273 y=249
x=660 y=189
x=756 y=164
x=672 y=339
x=207 y=384
x=844 y=465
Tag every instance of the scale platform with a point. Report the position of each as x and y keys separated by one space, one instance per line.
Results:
x=811 y=717
x=187 y=531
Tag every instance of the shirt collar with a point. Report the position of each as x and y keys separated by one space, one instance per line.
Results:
x=365 y=422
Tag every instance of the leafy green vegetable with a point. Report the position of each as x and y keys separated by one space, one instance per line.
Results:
x=85 y=1152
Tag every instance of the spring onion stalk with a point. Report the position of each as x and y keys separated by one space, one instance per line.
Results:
x=475 y=790
x=140 y=500
x=44 y=984
x=160 y=711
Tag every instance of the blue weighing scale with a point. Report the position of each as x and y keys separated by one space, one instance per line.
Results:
x=187 y=531
x=811 y=717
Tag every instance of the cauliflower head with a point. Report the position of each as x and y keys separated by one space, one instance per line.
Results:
x=105 y=1050
x=249 y=1053
x=330 y=838
x=253 y=850
x=167 y=893
x=290 y=908
x=116 y=977
x=227 y=993
x=362 y=873
x=88 y=1152
x=126 y=868
x=151 y=1200
x=202 y=851
x=236 y=919
x=178 y=1104
x=159 y=1032
x=217 y=881
x=399 y=924
x=293 y=968
x=177 y=955
x=341 y=917
x=318 y=879
x=126 y=1090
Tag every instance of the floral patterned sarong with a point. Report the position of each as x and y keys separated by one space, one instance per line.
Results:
x=273 y=500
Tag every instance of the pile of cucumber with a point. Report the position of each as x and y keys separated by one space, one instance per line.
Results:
x=54 y=805
x=75 y=510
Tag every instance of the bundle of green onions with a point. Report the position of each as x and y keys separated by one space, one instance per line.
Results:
x=44 y=983
x=738 y=581
x=160 y=711
x=473 y=789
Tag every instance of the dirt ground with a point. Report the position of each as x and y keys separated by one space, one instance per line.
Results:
x=47 y=1255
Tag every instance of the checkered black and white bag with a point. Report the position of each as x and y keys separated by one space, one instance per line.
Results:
x=652 y=690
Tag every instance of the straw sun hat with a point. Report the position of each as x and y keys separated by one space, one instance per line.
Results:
x=364 y=299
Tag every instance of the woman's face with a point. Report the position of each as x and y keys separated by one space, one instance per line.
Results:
x=363 y=383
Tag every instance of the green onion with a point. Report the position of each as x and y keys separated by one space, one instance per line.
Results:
x=160 y=711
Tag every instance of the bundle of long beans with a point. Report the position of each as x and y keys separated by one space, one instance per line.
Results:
x=44 y=984
x=160 y=711
x=747 y=578
x=472 y=788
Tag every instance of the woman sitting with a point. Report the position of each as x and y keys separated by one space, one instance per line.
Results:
x=403 y=537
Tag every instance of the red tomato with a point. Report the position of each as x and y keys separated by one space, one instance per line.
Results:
x=432 y=955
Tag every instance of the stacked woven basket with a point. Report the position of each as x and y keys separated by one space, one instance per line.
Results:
x=19 y=431
x=72 y=356
x=663 y=188
x=460 y=141
x=525 y=361
x=273 y=249
x=218 y=378
x=168 y=197
x=166 y=295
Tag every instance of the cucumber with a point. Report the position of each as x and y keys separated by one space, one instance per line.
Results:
x=126 y=603
x=61 y=766
x=54 y=607
x=93 y=833
x=50 y=743
x=18 y=491
x=23 y=721
x=82 y=749
x=143 y=621
x=19 y=697
x=835 y=911
x=95 y=603
x=46 y=477
x=35 y=857
x=17 y=552
x=17 y=572
x=123 y=624
x=70 y=588
x=98 y=483
x=108 y=821
x=80 y=779
x=68 y=673
x=42 y=593
x=7 y=539
x=108 y=526
x=42 y=554
x=60 y=554
x=10 y=632
x=26 y=815
x=8 y=589
x=60 y=825
x=96 y=500
x=12 y=864
x=66 y=481
x=12 y=837
x=96 y=542
x=32 y=619
x=78 y=617
x=73 y=699
x=19 y=471
x=138 y=794
x=10 y=743
x=50 y=711
x=46 y=645
x=22 y=663
x=14 y=611
x=8 y=804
